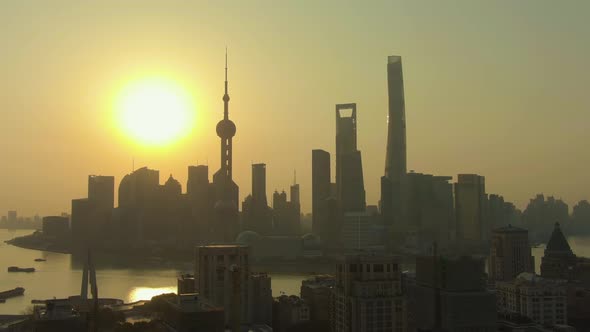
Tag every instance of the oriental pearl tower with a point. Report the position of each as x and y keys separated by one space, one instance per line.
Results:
x=226 y=190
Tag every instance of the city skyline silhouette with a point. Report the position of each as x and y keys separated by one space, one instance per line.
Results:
x=490 y=115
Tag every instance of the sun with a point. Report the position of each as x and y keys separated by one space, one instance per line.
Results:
x=155 y=111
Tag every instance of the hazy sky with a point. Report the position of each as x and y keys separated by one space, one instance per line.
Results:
x=498 y=88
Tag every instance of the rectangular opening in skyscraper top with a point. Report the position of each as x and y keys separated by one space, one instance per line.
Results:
x=394 y=59
x=345 y=112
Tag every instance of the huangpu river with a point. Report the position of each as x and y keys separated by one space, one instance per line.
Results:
x=60 y=276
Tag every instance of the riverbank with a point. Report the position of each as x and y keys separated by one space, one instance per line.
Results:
x=36 y=241
x=123 y=257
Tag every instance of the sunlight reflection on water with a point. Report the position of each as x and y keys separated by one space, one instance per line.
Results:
x=146 y=293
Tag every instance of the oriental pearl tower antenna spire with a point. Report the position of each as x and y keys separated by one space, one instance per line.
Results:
x=226 y=95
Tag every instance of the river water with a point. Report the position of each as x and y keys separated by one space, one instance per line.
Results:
x=61 y=275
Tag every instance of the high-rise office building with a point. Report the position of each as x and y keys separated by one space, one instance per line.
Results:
x=12 y=217
x=260 y=297
x=139 y=188
x=82 y=220
x=201 y=200
x=295 y=194
x=320 y=188
x=197 y=185
x=317 y=291
x=259 y=183
x=226 y=190
x=101 y=190
x=349 y=167
x=56 y=226
x=222 y=275
x=356 y=231
x=368 y=295
x=289 y=312
x=510 y=254
x=256 y=215
x=395 y=159
x=449 y=294
x=286 y=215
x=172 y=189
x=428 y=207
x=470 y=205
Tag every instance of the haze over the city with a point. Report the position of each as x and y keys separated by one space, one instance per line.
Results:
x=493 y=88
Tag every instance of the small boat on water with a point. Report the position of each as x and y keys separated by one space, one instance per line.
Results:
x=40 y=260
x=12 y=293
x=20 y=269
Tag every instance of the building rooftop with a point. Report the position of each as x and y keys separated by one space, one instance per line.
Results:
x=527 y=278
x=319 y=281
x=224 y=245
x=510 y=229
x=557 y=243
x=368 y=257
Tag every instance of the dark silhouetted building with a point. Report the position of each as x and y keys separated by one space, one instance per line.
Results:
x=139 y=188
x=201 y=198
x=101 y=190
x=395 y=159
x=356 y=231
x=559 y=261
x=91 y=217
x=428 y=209
x=368 y=295
x=185 y=284
x=320 y=191
x=259 y=182
x=12 y=217
x=349 y=167
x=223 y=273
x=256 y=214
x=501 y=213
x=197 y=185
x=470 y=205
x=510 y=254
x=226 y=190
x=449 y=294
x=289 y=311
x=260 y=297
x=189 y=313
x=56 y=226
x=172 y=189
x=83 y=220
x=541 y=214
x=316 y=291
x=286 y=215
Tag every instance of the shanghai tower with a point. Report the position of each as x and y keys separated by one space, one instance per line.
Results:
x=395 y=159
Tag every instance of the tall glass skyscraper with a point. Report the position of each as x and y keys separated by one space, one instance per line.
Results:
x=395 y=159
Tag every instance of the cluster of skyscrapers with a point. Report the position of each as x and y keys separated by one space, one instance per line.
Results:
x=436 y=224
x=151 y=214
